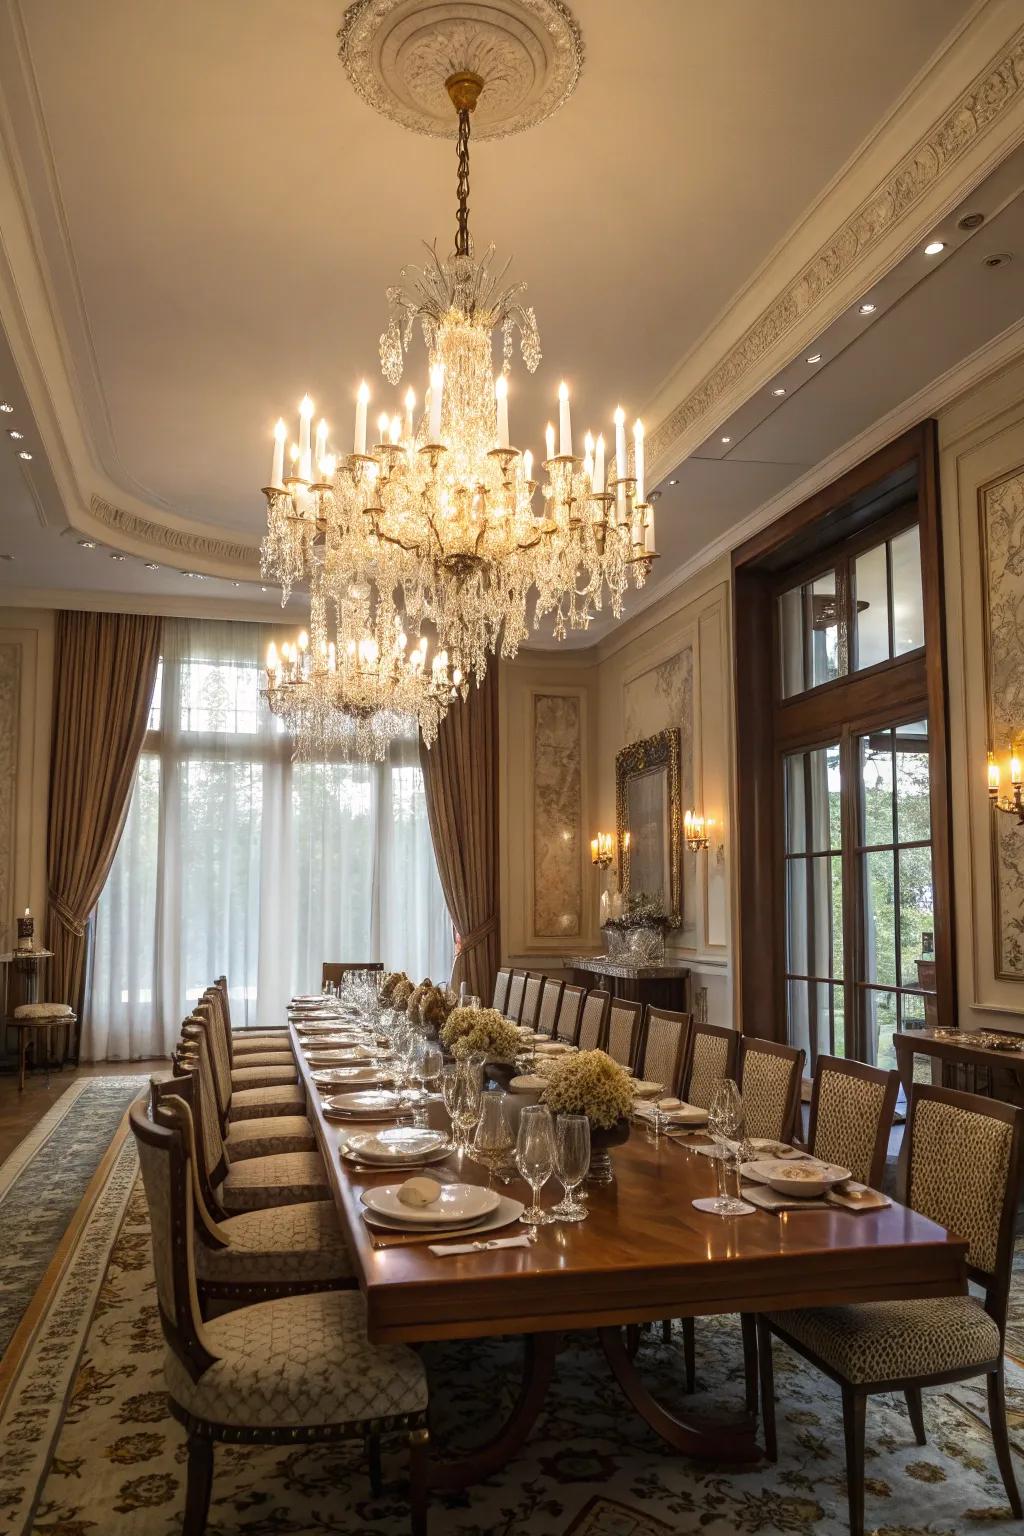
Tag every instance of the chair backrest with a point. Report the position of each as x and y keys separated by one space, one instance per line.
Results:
x=194 y=1057
x=592 y=1019
x=851 y=1116
x=769 y=1080
x=163 y=1157
x=663 y=1047
x=516 y=988
x=501 y=982
x=209 y=1008
x=550 y=998
x=222 y=986
x=335 y=971
x=710 y=1057
x=173 y=1102
x=531 y=999
x=567 y=1025
x=963 y=1170
x=623 y=1031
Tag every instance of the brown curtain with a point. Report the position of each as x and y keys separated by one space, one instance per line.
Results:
x=104 y=670
x=460 y=773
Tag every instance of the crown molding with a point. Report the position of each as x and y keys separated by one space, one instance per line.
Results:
x=201 y=548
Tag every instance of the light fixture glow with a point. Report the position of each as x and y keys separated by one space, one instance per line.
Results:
x=934 y=247
x=87 y=543
x=117 y=557
x=17 y=436
x=726 y=439
x=867 y=309
x=815 y=357
x=151 y=566
x=6 y=407
x=24 y=454
x=780 y=390
x=673 y=482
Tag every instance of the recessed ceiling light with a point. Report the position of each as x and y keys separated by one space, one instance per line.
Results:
x=971 y=221
x=815 y=357
x=867 y=309
x=779 y=390
x=87 y=543
x=236 y=583
x=999 y=259
x=24 y=454
x=726 y=439
x=6 y=557
x=16 y=435
x=6 y=408
x=150 y=566
x=673 y=482
x=263 y=589
x=116 y=556
x=934 y=247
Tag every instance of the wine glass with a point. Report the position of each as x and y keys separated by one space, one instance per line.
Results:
x=535 y=1158
x=572 y=1163
x=492 y=1142
x=448 y=1078
x=431 y=1062
x=725 y=1126
x=466 y=1103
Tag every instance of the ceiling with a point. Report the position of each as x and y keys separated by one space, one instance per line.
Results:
x=215 y=216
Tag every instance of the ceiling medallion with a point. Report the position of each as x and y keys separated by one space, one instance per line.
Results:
x=399 y=54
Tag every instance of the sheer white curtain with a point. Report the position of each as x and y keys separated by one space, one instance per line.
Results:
x=235 y=859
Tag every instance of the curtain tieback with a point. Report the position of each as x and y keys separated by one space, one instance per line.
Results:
x=477 y=935
x=64 y=914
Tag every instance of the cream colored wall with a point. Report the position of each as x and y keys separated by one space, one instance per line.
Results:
x=981 y=439
x=26 y=698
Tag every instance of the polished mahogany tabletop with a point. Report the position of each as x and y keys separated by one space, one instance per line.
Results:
x=644 y=1253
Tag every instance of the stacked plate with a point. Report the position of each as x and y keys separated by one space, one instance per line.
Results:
x=367 y=1104
x=351 y=1077
x=399 y=1146
x=337 y=1056
x=458 y=1208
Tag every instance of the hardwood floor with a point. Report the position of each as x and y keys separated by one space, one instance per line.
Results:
x=20 y=1111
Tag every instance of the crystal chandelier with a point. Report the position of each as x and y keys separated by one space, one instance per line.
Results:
x=441 y=515
x=354 y=692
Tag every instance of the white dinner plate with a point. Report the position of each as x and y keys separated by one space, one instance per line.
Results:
x=332 y=1043
x=806 y=1178
x=506 y=1211
x=689 y=1115
x=456 y=1205
x=397 y=1143
x=338 y=1057
x=368 y=1104
x=351 y=1077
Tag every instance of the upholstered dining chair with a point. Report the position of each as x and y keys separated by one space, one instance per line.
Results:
x=256 y=1050
x=550 y=999
x=590 y=1035
x=850 y=1118
x=514 y=1002
x=278 y=1073
x=279 y=1250
x=264 y=1038
x=531 y=999
x=261 y=1135
x=623 y=1031
x=567 y=1025
x=335 y=971
x=769 y=1078
x=963 y=1170
x=501 y=981
x=710 y=1057
x=662 y=1047
x=298 y=1369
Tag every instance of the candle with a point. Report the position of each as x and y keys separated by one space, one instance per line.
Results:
x=564 y=424
x=599 y=464
x=501 y=395
x=1015 y=772
x=271 y=657
x=638 y=460
x=328 y=464
x=649 y=548
x=410 y=406
x=396 y=429
x=383 y=427
x=549 y=439
x=305 y=456
x=588 y=456
x=621 y=465
x=436 y=392
x=321 y=447
x=528 y=465
x=26 y=929
x=594 y=849
x=359 y=445
x=277 y=460
x=993 y=776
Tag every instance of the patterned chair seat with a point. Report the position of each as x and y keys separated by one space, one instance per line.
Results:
x=254 y=1103
x=281 y=1245
x=266 y=1058
x=883 y=1341
x=302 y=1360
x=249 y=1040
x=262 y=1077
x=284 y=1178
x=272 y=1133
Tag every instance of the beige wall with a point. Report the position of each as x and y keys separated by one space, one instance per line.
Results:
x=26 y=695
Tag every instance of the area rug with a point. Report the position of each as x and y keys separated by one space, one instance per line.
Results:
x=44 y=1179
x=590 y=1468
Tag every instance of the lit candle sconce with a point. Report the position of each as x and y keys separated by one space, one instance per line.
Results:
x=696 y=830
x=1014 y=804
x=601 y=850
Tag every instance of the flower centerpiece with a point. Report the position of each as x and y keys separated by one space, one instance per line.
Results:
x=386 y=994
x=590 y=1083
x=401 y=993
x=638 y=932
x=483 y=1032
x=436 y=1005
x=416 y=997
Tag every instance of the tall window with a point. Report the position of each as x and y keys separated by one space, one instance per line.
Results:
x=235 y=859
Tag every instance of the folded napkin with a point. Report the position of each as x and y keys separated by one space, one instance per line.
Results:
x=482 y=1245
x=672 y=1110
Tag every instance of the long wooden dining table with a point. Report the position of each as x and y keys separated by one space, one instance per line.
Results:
x=643 y=1254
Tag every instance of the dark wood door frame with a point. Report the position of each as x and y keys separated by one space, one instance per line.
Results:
x=903 y=472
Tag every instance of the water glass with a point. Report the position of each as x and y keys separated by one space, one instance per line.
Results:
x=725 y=1126
x=493 y=1140
x=466 y=1103
x=535 y=1158
x=431 y=1062
x=572 y=1163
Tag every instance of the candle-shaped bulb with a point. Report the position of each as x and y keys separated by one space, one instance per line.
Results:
x=321 y=446
x=1015 y=769
x=277 y=457
x=305 y=453
x=599 y=464
x=621 y=466
x=271 y=657
x=303 y=640
x=396 y=429
x=410 y=406
x=564 y=423
x=638 y=459
x=549 y=440
x=362 y=397
x=383 y=426
x=528 y=465
x=594 y=849
x=436 y=396
x=501 y=397
x=993 y=775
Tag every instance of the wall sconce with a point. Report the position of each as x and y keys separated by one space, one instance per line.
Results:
x=1014 y=806
x=601 y=850
x=695 y=830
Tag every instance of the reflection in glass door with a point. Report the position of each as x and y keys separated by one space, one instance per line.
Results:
x=814 y=901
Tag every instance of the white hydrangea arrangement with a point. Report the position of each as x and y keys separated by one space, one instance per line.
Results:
x=592 y=1084
x=480 y=1031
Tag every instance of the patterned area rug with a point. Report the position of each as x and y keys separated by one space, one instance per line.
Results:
x=44 y=1179
x=591 y=1467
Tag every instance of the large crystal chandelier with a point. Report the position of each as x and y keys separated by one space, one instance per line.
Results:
x=442 y=517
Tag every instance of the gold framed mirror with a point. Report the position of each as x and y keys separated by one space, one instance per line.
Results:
x=649 y=820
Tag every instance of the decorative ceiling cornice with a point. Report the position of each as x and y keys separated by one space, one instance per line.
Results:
x=197 y=546
x=995 y=90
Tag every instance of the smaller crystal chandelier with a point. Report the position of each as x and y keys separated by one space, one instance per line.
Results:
x=354 y=693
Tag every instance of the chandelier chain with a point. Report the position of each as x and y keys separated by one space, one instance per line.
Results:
x=462 y=186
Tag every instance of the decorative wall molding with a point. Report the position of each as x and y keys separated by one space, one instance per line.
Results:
x=557 y=816
x=178 y=541
x=10 y=710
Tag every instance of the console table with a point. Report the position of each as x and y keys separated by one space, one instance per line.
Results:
x=965 y=1053
x=663 y=986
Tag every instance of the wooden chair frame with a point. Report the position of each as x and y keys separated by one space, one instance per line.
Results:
x=682 y=1055
x=753 y=1045
x=889 y=1081
x=624 y=1005
x=575 y=995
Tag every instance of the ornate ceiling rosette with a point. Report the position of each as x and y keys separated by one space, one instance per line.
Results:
x=399 y=53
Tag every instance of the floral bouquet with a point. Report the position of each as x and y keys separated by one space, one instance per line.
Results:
x=480 y=1031
x=642 y=911
x=416 y=997
x=437 y=1005
x=401 y=993
x=387 y=987
x=589 y=1083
